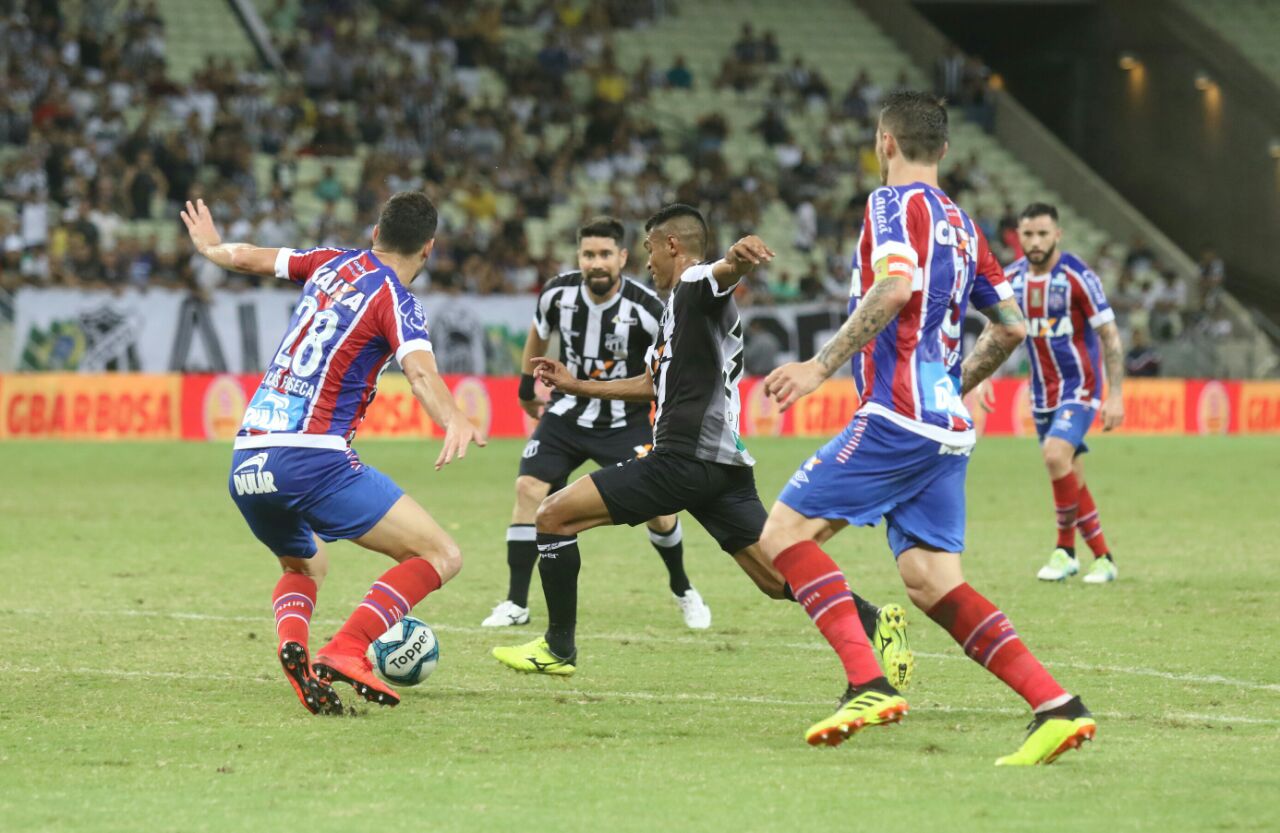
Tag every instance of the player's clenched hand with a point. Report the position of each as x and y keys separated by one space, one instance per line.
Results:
x=985 y=395
x=793 y=380
x=553 y=374
x=749 y=250
x=1112 y=413
x=458 y=434
x=199 y=223
x=532 y=407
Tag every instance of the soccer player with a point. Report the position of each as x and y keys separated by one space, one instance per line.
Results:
x=294 y=475
x=606 y=322
x=1068 y=317
x=904 y=454
x=698 y=462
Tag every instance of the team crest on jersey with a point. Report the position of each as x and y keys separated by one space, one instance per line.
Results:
x=1037 y=296
x=616 y=343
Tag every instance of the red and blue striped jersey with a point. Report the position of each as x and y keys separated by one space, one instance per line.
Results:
x=910 y=373
x=1062 y=308
x=353 y=316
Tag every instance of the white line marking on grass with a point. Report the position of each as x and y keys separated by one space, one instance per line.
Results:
x=648 y=696
x=1136 y=671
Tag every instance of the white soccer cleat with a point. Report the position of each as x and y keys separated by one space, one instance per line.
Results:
x=1103 y=571
x=694 y=610
x=506 y=614
x=1060 y=567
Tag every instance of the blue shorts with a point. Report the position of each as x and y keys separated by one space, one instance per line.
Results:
x=876 y=469
x=1069 y=422
x=287 y=493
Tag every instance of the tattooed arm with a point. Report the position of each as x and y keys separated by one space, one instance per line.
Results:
x=999 y=339
x=878 y=307
x=1113 y=357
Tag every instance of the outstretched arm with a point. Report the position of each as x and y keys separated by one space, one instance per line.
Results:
x=1113 y=358
x=886 y=298
x=555 y=375
x=1002 y=335
x=741 y=258
x=238 y=257
x=431 y=392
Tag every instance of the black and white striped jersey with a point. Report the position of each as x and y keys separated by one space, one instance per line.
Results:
x=599 y=341
x=696 y=365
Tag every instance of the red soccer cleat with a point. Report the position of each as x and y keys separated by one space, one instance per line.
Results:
x=317 y=697
x=356 y=671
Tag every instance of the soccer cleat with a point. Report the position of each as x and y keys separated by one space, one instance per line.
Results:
x=861 y=707
x=694 y=610
x=506 y=614
x=1061 y=567
x=357 y=672
x=536 y=658
x=890 y=642
x=1102 y=571
x=1052 y=733
x=317 y=697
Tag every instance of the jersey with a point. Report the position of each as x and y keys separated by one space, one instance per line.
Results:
x=353 y=316
x=599 y=341
x=696 y=365
x=1063 y=309
x=910 y=372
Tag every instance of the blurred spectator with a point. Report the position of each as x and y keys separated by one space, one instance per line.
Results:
x=1166 y=300
x=1213 y=277
x=678 y=76
x=1142 y=359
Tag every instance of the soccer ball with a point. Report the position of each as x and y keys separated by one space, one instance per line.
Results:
x=407 y=654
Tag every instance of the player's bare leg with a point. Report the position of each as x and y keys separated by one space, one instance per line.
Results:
x=667 y=538
x=792 y=542
x=1058 y=455
x=522 y=554
x=559 y=519
x=426 y=558
x=935 y=583
x=294 y=602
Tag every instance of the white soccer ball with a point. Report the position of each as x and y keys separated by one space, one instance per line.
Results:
x=407 y=654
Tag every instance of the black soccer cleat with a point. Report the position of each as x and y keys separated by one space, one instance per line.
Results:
x=315 y=695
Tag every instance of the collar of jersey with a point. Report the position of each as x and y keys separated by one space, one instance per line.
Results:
x=586 y=296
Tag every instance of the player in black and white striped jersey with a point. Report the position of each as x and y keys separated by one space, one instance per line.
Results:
x=606 y=323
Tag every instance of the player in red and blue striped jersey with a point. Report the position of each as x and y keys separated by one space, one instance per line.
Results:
x=904 y=455
x=294 y=475
x=1071 y=329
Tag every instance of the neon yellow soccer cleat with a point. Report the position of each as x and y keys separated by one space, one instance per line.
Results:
x=1052 y=733
x=535 y=658
x=890 y=642
x=860 y=708
x=1103 y=571
x=1061 y=566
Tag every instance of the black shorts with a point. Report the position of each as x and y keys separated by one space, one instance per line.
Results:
x=722 y=498
x=558 y=446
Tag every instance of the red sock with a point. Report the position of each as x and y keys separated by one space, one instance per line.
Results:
x=1090 y=525
x=388 y=601
x=1066 y=499
x=821 y=589
x=294 y=599
x=990 y=640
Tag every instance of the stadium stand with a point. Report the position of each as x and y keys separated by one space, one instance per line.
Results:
x=520 y=118
x=1252 y=25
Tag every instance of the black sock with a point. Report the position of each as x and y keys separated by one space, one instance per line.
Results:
x=1071 y=551
x=558 y=565
x=867 y=614
x=787 y=592
x=670 y=546
x=522 y=556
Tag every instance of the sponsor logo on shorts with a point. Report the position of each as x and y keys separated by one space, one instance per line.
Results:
x=530 y=449
x=250 y=479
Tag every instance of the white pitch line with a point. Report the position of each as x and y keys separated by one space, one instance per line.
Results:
x=652 y=696
x=1137 y=671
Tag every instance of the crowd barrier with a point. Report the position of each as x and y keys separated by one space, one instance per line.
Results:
x=209 y=406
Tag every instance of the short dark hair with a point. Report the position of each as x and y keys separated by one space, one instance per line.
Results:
x=918 y=121
x=604 y=227
x=1038 y=209
x=693 y=227
x=407 y=221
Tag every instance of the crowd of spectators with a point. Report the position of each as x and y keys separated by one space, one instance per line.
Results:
x=100 y=145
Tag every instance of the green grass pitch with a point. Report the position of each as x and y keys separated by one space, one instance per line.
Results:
x=140 y=690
